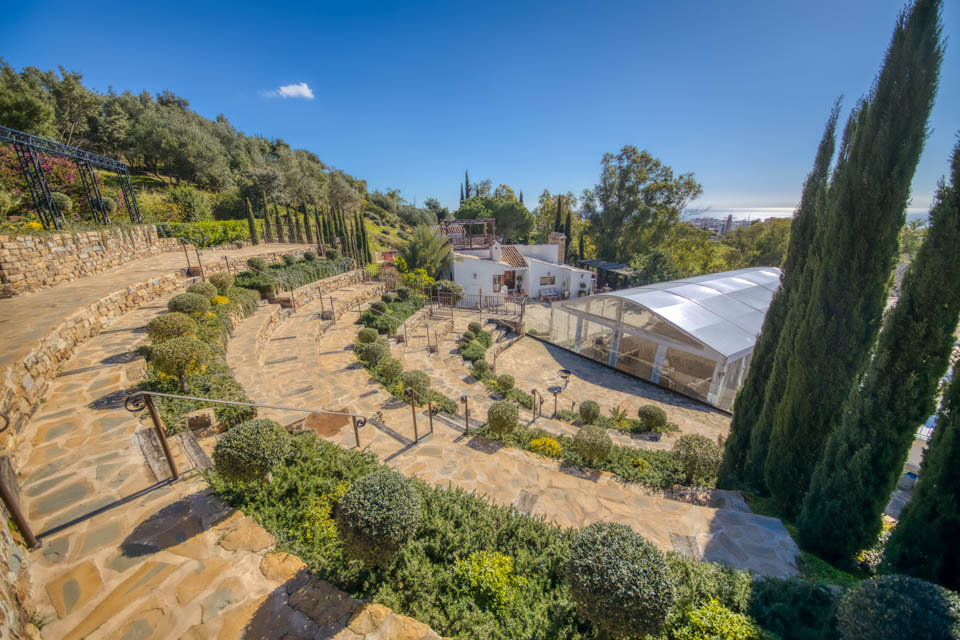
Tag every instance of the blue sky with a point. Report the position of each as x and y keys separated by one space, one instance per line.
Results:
x=526 y=93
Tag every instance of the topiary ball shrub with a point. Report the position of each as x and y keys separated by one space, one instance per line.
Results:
x=379 y=307
x=377 y=516
x=652 y=417
x=593 y=443
x=468 y=336
x=589 y=411
x=205 y=289
x=289 y=259
x=181 y=357
x=897 y=607
x=389 y=370
x=502 y=417
x=332 y=254
x=257 y=264
x=221 y=280
x=403 y=294
x=699 y=456
x=472 y=352
x=171 y=325
x=371 y=354
x=250 y=450
x=309 y=256
x=618 y=580
x=367 y=335
x=475 y=328
x=480 y=369
x=62 y=201
x=192 y=304
x=418 y=381
x=506 y=382
x=388 y=297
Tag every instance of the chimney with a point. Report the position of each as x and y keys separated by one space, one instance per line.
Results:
x=560 y=240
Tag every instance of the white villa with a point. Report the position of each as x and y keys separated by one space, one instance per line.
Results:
x=482 y=265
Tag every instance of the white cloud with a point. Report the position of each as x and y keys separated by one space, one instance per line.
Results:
x=299 y=90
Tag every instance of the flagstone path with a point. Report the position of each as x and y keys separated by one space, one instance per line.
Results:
x=125 y=556
x=299 y=369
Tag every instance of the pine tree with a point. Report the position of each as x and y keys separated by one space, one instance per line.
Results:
x=568 y=232
x=864 y=456
x=924 y=542
x=466 y=182
x=251 y=223
x=865 y=210
x=558 y=220
x=745 y=425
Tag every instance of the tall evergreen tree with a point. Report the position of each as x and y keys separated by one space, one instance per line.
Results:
x=924 y=542
x=745 y=426
x=307 y=231
x=864 y=456
x=461 y=194
x=252 y=223
x=267 y=227
x=364 y=241
x=521 y=196
x=558 y=218
x=580 y=245
x=568 y=232
x=319 y=223
x=466 y=182
x=281 y=232
x=865 y=210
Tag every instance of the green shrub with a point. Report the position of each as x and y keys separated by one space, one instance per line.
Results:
x=896 y=607
x=502 y=417
x=63 y=202
x=403 y=294
x=204 y=289
x=490 y=578
x=181 y=357
x=473 y=352
x=653 y=418
x=289 y=259
x=371 y=354
x=109 y=204
x=367 y=336
x=481 y=368
x=257 y=264
x=388 y=297
x=521 y=397
x=418 y=381
x=222 y=281
x=505 y=382
x=192 y=304
x=700 y=458
x=589 y=411
x=475 y=328
x=389 y=370
x=449 y=291
x=697 y=582
x=713 y=621
x=619 y=580
x=190 y=204
x=246 y=298
x=332 y=254
x=379 y=307
x=250 y=450
x=468 y=336
x=171 y=325
x=484 y=339
x=309 y=256
x=207 y=233
x=593 y=443
x=795 y=609
x=378 y=515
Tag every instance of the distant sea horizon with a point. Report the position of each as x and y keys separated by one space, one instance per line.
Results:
x=762 y=213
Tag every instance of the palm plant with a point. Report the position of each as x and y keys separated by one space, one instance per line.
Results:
x=426 y=250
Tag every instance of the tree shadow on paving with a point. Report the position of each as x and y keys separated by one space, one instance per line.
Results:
x=175 y=524
x=591 y=475
x=112 y=400
x=484 y=445
x=123 y=358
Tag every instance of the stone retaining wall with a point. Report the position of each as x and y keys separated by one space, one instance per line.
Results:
x=14 y=586
x=25 y=382
x=310 y=292
x=30 y=263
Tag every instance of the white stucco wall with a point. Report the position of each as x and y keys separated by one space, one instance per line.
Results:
x=545 y=252
x=474 y=274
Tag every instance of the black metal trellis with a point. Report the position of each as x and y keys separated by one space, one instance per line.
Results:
x=28 y=148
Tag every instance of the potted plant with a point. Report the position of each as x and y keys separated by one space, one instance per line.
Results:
x=583 y=289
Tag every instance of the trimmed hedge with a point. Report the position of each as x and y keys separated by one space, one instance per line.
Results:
x=653 y=418
x=506 y=383
x=181 y=357
x=204 y=289
x=207 y=233
x=378 y=515
x=371 y=354
x=619 y=580
x=389 y=370
x=192 y=304
x=171 y=325
x=418 y=381
x=251 y=450
x=367 y=336
x=222 y=281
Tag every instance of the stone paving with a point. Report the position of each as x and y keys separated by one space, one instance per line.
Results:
x=125 y=556
x=303 y=371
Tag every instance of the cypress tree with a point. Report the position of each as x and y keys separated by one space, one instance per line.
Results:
x=319 y=222
x=366 y=255
x=558 y=220
x=267 y=227
x=281 y=232
x=307 y=231
x=251 y=223
x=466 y=182
x=864 y=456
x=568 y=232
x=745 y=424
x=521 y=196
x=924 y=543
x=461 y=194
x=580 y=245
x=865 y=211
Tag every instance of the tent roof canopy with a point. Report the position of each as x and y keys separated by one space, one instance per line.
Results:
x=724 y=311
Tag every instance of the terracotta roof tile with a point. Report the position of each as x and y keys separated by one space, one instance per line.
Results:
x=512 y=257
